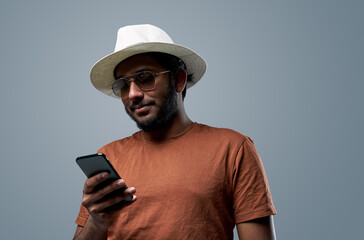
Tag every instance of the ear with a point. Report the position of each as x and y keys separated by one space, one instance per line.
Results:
x=180 y=80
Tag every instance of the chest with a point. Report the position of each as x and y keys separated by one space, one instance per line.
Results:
x=177 y=173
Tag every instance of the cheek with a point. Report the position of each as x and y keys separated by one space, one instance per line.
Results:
x=125 y=101
x=162 y=92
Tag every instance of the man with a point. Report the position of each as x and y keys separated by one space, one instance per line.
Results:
x=193 y=181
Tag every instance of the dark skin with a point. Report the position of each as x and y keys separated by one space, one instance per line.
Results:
x=93 y=199
x=143 y=106
x=149 y=103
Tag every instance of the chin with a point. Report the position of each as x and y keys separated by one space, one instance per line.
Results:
x=145 y=119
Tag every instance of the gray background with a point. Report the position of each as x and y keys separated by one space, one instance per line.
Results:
x=287 y=73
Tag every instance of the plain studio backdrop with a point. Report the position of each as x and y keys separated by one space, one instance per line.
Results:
x=289 y=74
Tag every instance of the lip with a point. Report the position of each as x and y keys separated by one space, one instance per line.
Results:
x=142 y=109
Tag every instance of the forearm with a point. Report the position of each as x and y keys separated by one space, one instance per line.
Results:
x=91 y=231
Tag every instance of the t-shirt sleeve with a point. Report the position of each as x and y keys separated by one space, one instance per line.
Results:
x=82 y=216
x=251 y=195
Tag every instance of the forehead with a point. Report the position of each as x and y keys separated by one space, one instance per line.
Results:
x=137 y=63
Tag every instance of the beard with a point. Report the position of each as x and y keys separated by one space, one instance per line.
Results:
x=164 y=116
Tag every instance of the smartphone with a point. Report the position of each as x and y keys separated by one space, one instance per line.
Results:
x=97 y=163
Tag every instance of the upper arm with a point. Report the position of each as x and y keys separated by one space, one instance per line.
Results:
x=257 y=229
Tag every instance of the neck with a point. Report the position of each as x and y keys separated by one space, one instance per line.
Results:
x=178 y=124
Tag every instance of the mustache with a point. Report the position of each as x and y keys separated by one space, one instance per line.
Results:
x=140 y=104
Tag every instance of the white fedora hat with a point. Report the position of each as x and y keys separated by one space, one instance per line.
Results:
x=135 y=39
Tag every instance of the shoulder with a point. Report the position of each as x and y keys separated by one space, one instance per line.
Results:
x=224 y=134
x=221 y=137
x=120 y=143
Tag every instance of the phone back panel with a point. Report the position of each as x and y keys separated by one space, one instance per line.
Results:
x=96 y=163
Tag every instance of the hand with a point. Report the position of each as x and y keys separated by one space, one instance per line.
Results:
x=98 y=200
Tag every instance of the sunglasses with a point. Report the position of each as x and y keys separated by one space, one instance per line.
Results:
x=145 y=80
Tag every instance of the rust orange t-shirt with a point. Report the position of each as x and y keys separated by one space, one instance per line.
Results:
x=196 y=185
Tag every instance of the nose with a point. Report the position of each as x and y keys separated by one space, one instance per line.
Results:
x=135 y=93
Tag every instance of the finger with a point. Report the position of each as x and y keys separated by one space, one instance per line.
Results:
x=116 y=185
x=93 y=181
x=130 y=197
x=113 y=204
x=120 y=205
x=97 y=195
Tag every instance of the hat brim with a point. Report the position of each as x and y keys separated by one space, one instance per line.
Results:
x=102 y=73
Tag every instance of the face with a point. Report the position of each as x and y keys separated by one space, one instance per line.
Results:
x=151 y=110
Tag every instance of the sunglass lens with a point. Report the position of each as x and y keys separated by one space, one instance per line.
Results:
x=119 y=87
x=145 y=80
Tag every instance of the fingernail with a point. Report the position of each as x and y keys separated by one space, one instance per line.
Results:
x=120 y=182
x=104 y=175
x=131 y=190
